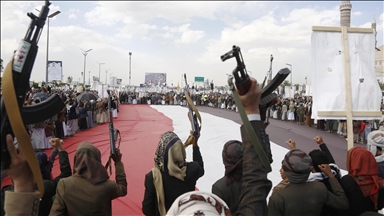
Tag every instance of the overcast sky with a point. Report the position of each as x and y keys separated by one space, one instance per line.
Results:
x=178 y=37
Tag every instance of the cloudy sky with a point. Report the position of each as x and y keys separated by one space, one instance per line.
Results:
x=178 y=37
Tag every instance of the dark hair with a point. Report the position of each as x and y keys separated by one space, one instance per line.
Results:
x=319 y=157
x=379 y=148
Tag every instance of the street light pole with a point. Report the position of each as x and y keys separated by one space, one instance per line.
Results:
x=85 y=53
x=130 y=54
x=110 y=79
x=106 y=76
x=46 y=70
x=89 y=78
x=291 y=75
x=99 y=71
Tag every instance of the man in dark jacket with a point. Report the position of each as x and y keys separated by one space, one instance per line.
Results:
x=228 y=188
x=301 y=197
x=324 y=156
x=50 y=186
x=256 y=185
x=72 y=116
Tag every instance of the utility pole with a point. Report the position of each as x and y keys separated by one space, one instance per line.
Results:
x=130 y=54
x=46 y=66
x=85 y=53
x=106 y=76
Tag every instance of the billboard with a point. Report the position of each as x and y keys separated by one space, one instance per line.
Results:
x=156 y=79
x=55 y=70
x=95 y=79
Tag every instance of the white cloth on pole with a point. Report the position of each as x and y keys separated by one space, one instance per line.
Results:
x=328 y=79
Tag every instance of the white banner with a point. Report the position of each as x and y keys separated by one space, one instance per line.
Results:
x=55 y=70
x=102 y=91
x=308 y=90
x=328 y=77
x=113 y=81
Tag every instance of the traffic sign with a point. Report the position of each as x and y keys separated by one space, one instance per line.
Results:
x=199 y=79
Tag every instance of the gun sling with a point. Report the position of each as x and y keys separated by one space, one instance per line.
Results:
x=248 y=128
x=18 y=126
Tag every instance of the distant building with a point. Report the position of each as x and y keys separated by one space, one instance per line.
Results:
x=379 y=57
x=345 y=13
x=379 y=61
x=345 y=20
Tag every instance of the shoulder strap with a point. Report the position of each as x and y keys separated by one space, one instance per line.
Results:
x=18 y=127
x=248 y=128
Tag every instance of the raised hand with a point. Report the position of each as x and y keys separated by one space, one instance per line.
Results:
x=251 y=99
x=19 y=170
x=326 y=169
x=318 y=140
x=118 y=156
x=291 y=144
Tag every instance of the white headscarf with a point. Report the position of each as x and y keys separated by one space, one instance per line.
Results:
x=199 y=203
x=374 y=139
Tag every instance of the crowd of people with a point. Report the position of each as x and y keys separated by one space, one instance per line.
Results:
x=295 y=110
x=311 y=183
x=77 y=115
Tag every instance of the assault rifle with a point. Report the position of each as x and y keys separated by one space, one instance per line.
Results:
x=243 y=82
x=113 y=133
x=23 y=61
x=192 y=115
x=269 y=73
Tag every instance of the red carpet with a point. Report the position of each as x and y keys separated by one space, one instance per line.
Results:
x=141 y=128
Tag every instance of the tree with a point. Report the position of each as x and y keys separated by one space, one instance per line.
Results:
x=297 y=87
x=35 y=85
x=286 y=83
x=381 y=84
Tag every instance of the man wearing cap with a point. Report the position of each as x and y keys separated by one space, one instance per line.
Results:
x=301 y=197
